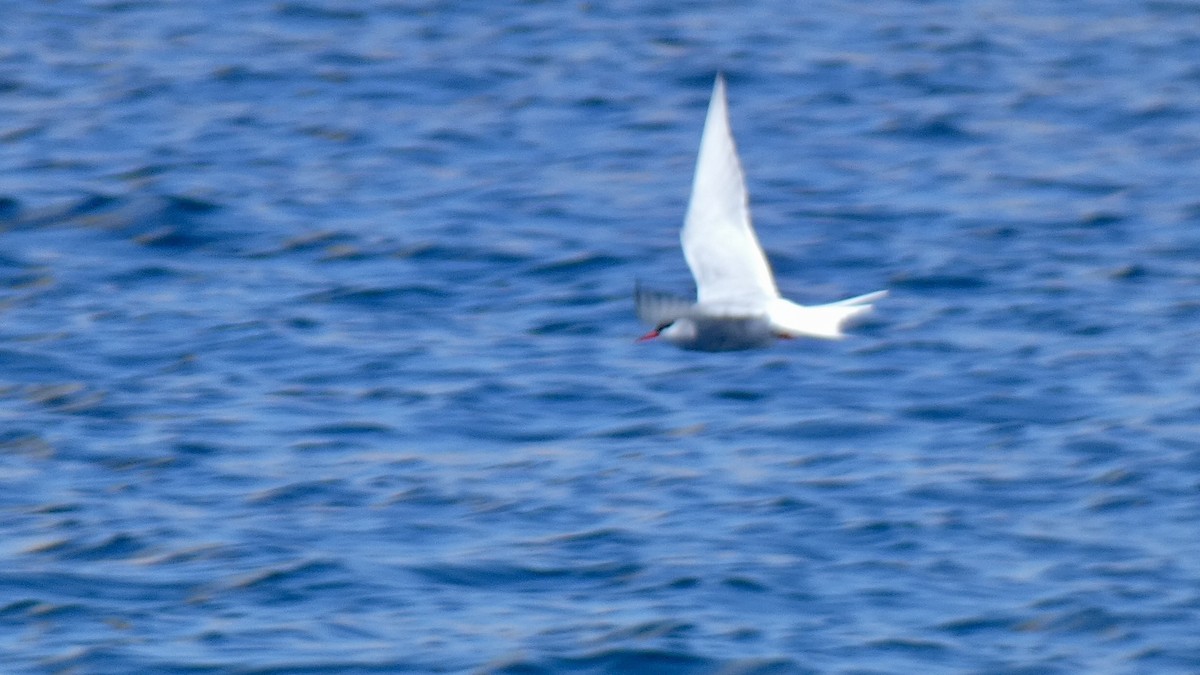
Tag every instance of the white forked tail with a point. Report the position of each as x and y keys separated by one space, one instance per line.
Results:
x=821 y=321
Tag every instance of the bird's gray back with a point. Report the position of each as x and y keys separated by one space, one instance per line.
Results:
x=724 y=334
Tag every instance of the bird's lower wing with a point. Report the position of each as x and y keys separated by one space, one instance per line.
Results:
x=655 y=308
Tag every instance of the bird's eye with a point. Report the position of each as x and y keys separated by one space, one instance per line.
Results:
x=663 y=326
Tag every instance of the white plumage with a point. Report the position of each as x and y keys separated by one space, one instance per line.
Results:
x=738 y=305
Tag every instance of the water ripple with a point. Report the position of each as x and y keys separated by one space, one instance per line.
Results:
x=317 y=347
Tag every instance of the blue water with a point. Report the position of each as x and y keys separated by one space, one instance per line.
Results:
x=316 y=339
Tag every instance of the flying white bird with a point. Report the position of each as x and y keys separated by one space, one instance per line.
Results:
x=737 y=303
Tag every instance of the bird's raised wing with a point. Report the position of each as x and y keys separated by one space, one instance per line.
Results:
x=718 y=240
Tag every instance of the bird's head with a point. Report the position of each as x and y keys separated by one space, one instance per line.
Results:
x=679 y=330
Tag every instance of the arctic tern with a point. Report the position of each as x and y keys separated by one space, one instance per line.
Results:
x=737 y=303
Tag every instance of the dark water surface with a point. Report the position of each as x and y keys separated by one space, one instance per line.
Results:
x=316 y=339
